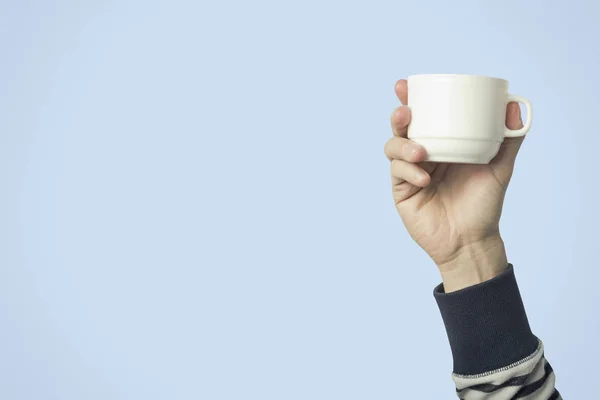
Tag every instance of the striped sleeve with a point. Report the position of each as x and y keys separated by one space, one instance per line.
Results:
x=496 y=356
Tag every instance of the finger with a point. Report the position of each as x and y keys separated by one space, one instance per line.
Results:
x=401 y=89
x=513 y=116
x=403 y=149
x=507 y=155
x=411 y=173
x=404 y=191
x=510 y=146
x=399 y=120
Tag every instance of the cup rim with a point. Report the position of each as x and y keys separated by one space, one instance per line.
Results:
x=463 y=76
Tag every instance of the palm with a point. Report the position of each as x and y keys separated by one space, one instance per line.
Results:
x=461 y=202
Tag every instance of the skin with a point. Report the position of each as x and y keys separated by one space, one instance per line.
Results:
x=452 y=210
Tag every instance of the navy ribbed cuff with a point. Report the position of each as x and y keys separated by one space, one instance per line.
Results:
x=486 y=325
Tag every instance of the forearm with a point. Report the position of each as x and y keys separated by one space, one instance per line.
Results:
x=495 y=353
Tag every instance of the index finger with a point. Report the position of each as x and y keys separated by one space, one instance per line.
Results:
x=400 y=119
x=401 y=89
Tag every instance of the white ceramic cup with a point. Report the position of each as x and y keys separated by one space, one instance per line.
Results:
x=461 y=118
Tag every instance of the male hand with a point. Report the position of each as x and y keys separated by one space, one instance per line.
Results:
x=452 y=210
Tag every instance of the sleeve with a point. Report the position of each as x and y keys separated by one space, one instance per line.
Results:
x=496 y=356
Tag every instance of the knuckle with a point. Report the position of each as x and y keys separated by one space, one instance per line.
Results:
x=393 y=115
x=389 y=147
x=396 y=166
x=394 y=148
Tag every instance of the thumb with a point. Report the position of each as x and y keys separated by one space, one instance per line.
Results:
x=505 y=159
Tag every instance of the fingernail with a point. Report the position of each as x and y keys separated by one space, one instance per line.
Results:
x=410 y=151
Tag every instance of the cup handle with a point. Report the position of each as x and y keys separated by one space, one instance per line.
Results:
x=520 y=132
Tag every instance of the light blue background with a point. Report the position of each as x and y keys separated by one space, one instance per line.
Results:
x=195 y=203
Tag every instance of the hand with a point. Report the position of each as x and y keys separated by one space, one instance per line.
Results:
x=452 y=210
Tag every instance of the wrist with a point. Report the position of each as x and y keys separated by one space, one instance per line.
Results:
x=474 y=263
